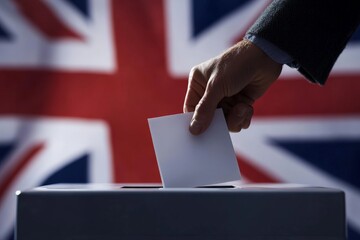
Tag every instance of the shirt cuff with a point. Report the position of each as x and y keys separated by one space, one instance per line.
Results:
x=271 y=50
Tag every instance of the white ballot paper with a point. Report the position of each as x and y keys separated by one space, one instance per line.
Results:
x=185 y=160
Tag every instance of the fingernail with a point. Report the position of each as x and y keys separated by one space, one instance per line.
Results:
x=195 y=127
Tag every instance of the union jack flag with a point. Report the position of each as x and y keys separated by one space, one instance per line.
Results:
x=80 y=78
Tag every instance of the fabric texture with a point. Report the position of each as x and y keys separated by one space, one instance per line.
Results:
x=313 y=33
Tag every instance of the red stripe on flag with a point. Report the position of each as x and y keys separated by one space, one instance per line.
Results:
x=253 y=173
x=45 y=20
x=11 y=176
x=297 y=97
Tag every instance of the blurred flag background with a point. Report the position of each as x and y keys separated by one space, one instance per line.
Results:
x=79 y=78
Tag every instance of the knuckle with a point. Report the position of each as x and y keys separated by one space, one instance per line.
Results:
x=195 y=72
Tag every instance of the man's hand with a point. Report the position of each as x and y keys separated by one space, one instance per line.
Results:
x=232 y=81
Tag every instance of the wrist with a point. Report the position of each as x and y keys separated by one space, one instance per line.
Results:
x=270 y=49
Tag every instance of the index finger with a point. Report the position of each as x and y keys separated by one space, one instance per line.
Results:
x=195 y=91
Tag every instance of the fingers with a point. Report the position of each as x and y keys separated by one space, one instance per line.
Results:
x=205 y=109
x=202 y=98
x=242 y=74
x=239 y=117
x=195 y=91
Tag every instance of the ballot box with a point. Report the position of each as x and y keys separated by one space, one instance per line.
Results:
x=224 y=212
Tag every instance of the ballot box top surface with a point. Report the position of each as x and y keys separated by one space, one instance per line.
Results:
x=156 y=187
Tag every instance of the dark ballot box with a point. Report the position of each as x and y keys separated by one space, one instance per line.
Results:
x=129 y=212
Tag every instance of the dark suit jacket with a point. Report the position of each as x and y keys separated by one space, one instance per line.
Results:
x=313 y=32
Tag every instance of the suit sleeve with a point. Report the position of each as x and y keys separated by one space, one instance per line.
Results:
x=312 y=32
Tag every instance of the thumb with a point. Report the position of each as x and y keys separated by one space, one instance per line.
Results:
x=205 y=109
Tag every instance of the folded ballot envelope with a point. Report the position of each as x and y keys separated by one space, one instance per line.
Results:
x=122 y=211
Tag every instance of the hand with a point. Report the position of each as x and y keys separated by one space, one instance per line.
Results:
x=232 y=81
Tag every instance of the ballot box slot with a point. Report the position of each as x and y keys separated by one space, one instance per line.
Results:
x=160 y=187
x=217 y=186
